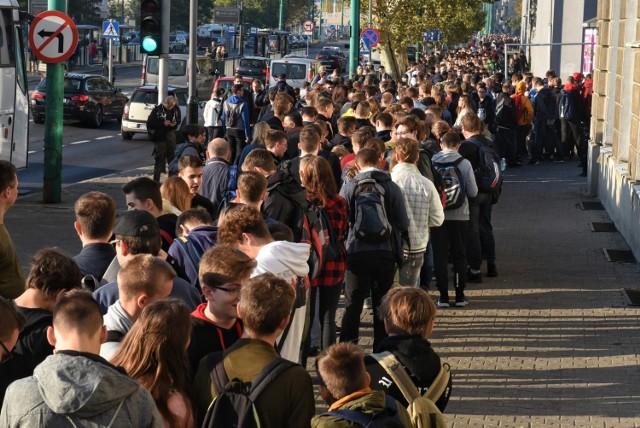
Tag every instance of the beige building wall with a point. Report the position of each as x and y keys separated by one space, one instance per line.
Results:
x=614 y=171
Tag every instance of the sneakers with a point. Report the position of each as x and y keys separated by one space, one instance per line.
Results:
x=368 y=304
x=492 y=271
x=475 y=278
x=461 y=302
x=443 y=302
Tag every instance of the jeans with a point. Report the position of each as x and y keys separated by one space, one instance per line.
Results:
x=547 y=139
x=521 y=139
x=426 y=272
x=450 y=237
x=163 y=154
x=410 y=270
x=480 y=241
x=237 y=141
x=506 y=143
x=329 y=297
x=365 y=277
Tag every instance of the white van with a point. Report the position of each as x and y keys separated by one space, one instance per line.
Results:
x=297 y=70
x=179 y=73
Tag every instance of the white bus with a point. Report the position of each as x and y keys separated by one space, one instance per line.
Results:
x=14 y=93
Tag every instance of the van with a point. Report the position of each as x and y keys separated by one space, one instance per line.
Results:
x=297 y=70
x=179 y=73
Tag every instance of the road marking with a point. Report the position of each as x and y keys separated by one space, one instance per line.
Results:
x=31 y=152
x=79 y=142
x=104 y=138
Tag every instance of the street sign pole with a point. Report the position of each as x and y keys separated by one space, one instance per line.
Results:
x=163 y=62
x=52 y=179
x=110 y=60
x=192 y=107
x=355 y=35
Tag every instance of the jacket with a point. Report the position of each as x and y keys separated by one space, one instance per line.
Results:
x=419 y=360
x=215 y=182
x=212 y=113
x=366 y=401
x=288 y=401
x=422 y=203
x=202 y=238
x=82 y=388
x=155 y=122
x=116 y=320
x=522 y=101
x=470 y=186
x=244 y=121
x=358 y=249
x=284 y=200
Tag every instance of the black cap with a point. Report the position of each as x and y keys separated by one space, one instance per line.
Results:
x=282 y=76
x=137 y=223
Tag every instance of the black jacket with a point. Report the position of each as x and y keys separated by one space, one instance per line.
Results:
x=155 y=122
x=285 y=199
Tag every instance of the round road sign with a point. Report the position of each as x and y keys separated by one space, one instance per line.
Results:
x=308 y=25
x=53 y=36
x=370 y=37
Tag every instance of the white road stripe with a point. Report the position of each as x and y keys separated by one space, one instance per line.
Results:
x=79 y=142
x=31 y=152
x=104 y=138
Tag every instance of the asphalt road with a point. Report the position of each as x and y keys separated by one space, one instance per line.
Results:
x=89 y=152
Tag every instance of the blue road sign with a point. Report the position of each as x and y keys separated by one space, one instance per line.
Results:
x=432 y=36
x=332 y=28
x=110 y=29
x=232 y=31
x=370 y=36
x=253 y=31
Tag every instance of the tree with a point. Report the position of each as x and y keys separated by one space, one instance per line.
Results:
x=515 y=22
x=402 y=22
x=264 y=13
x=85 y=11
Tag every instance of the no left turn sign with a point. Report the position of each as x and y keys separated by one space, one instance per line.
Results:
x=53 y=36
x=308 y=25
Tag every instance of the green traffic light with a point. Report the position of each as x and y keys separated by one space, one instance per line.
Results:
x=149 y=44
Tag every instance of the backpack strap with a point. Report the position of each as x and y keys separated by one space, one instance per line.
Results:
x=217 y=373
x=114 y=336
x=439 y=384
x=398 y=374
x=268 y=375
x=166 y=236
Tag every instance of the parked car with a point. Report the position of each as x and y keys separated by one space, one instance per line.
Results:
x=254 y=67
x=177 y=43
x=297 y=70
x=331 y=59
x=227 y=82
x=128 y=36
x=143 y=100
x=87 y=98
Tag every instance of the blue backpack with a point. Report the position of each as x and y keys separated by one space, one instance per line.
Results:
x=388 y=418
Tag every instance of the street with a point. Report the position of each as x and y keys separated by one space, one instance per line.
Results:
x=89 y=152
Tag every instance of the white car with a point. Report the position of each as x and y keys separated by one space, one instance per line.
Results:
x=142 y=101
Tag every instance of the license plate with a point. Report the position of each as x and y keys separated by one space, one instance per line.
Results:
x=65 y=100
x=142 y=126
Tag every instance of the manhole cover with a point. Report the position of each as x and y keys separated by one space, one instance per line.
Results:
x=632 y=296
x=591 y=206
x=622 y=256
x=603 y=227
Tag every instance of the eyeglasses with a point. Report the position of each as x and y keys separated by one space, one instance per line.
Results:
x=234 y=289
x=402 y=133
x=7 y=354
x=114 y=242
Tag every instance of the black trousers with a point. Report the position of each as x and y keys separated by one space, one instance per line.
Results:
x=450 y=237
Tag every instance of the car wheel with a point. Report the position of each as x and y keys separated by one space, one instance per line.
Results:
x=38 y=119
x=126 y=135
x=96 y=121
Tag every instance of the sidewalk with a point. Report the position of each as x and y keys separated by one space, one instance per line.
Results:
x=550 y=342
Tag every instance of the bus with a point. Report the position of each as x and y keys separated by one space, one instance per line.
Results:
x=14 y=93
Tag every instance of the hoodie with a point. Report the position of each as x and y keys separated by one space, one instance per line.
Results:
x=78 y=389
x=188 y=255
x=244 y=121
x=470 y=186
x=284 y=201
x=524 y=109
x=288 y=260
x=117 y=320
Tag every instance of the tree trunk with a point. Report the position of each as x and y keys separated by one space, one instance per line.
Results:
x=394 y=60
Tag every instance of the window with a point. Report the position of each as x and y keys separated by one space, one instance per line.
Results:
x=177 y=67
x=7 y=48
x=145 y=97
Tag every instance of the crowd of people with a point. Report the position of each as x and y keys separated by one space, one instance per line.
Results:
x=219 y=282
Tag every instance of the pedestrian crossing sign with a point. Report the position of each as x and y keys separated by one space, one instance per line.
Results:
x=110 y=29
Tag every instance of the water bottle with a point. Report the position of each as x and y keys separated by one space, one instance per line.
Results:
x=503 y=164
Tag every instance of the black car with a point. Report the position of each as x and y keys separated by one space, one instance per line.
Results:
x=331 y=59
x=253 y=67
x=87 y=98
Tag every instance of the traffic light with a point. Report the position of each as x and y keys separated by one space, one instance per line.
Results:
x=151 y=27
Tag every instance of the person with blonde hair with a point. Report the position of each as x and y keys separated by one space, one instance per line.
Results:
x=176 y=197
x=154 y=353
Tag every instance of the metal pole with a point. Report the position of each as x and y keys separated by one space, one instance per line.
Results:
x=281 y=14
x=354 y=46
x=110 y=73
x=341 y=18
x=163 y=65
x=192 y=106
x=370 y=13
x=320 y=35
x=52 y=185
x=241 y=37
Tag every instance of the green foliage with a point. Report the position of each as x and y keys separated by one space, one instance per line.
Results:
x=85 y=11
x=264 y=13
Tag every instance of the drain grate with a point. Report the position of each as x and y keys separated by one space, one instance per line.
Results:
x=622 y=256
x=591 y=206
x=603 y=227
x=632 y=296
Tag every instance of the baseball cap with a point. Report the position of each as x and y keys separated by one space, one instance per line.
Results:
x=137 y=223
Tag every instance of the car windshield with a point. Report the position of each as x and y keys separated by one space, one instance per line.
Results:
x=177 y=67
x=70 y=85
x=145 y=97
x=252 y=63
x=292 y=70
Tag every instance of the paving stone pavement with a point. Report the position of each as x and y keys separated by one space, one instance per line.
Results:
x=550 y=342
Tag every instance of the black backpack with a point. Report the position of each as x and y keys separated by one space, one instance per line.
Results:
x=425 y=166
x=506 y=113
x=369 y=216
x=388 y=418
x=234 y=405
x=232 y=113
x=173 y=165
x=453 y=183
x=488 y=173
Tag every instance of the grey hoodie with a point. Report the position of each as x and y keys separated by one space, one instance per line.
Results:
x=470 y=186
x=118 y=320
x=75 y=389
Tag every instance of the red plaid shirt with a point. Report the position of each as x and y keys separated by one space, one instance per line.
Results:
x=332 y=272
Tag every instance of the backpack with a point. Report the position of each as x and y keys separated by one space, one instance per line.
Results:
x=452 y=183
x=425 y=166
x=369 y=216
x=506 y=113
x=192 y=251
x=565 y=106
x=173 y=165
x=333 y=241
x=388 y=418
x=232 y=113
x=422 y=409
x=234 y=405
x=488 y=173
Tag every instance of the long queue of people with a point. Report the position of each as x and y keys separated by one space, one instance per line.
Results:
x=206 y=298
